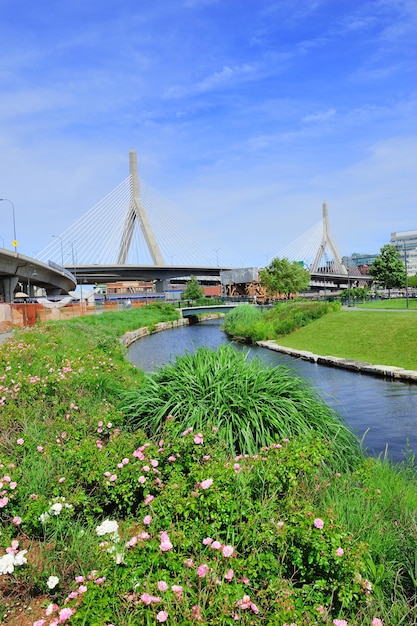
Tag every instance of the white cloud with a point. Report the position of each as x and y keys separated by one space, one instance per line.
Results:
x=320 y=116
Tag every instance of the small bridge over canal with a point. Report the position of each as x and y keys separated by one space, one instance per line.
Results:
x=192 y=312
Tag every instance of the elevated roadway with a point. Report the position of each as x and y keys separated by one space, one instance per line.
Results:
x=15 y=268
x=93 y=274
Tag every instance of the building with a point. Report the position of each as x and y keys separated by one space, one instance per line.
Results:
x=406 y=244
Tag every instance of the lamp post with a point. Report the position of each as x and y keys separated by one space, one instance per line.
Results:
x=406 y=274
x=14 y=222
x=348 y=283
x=62 y=250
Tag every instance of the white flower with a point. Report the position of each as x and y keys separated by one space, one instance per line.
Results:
x=9 y=560
x=56 y=508
x=19 y=558
x=52 y=581
x=43 y=517
x=107 y=527
x=119 y=558
x=7 y=563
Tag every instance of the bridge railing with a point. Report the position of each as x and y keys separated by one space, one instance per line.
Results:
x=61 y=269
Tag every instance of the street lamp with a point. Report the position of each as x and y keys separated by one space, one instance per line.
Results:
x=14 y=222
x=62 y=250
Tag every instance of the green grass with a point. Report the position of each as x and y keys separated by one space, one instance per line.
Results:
x=393 y=303
x=377 y=337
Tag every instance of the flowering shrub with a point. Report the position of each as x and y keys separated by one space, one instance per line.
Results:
x=108 y=527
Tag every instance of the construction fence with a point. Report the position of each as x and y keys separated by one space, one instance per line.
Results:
x=22 y=315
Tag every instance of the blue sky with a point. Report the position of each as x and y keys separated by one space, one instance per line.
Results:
x=245 y=114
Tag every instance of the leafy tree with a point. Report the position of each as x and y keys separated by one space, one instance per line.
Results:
x=387 y=269
x=282 y=276
x=412 y=281
x=193 y=291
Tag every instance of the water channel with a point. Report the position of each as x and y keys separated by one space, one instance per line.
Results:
x=386 y=411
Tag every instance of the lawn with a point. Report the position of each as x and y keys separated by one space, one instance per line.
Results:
x=377 y=337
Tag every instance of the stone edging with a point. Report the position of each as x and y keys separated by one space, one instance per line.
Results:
x=130 y=337
x=385 y=371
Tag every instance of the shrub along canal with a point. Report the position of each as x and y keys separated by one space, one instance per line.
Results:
x=383 y=411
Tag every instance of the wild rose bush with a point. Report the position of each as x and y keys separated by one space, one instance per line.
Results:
x=110 y=527
x=192 y=533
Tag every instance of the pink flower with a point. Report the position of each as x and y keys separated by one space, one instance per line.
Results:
x=377 y=622
x=39 y=449
x=3 y=502
x=65 y=614
x=79 y=579
x=162 y=585
x=162 y=616
x=340 y=552
x=154 y=463
x=177 y=589
x=216 y=545
x=82 y=589
x=229 y=575
x=196 y=613
x=198 y=438
x=39 y=622
x=147 y=520
x=146 y=468
x=205 y=484
x=62 y=480
x=227 y=551
x=148 y=499
x=165 y=544
x=16 y=520
x=318 y=523
x=113 y=478
x=202 y=570
x=142 y=480
x=20 y=442
x=207 y=541
x=146 y=598
x=340 y=622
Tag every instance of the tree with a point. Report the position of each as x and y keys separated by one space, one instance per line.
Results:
x=193 y=291
x=387 y=269
x=283 y=277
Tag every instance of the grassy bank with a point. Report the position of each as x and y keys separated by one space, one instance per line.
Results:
x=378 y=337
x=104 y=524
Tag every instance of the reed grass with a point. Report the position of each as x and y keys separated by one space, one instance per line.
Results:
x=251 y=404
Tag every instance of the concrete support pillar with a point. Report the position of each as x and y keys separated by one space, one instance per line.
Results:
x=7 y=287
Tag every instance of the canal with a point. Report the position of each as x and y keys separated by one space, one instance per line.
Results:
x=382 y=412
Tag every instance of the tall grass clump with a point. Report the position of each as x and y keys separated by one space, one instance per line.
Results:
x=251 y=404
x=252 y=324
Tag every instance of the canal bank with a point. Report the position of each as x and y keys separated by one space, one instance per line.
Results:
x=384 y=371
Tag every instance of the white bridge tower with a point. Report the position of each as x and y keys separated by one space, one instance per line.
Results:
x=137 y=212
x=327 y=242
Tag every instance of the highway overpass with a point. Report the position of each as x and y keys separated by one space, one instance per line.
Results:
x=16 y=268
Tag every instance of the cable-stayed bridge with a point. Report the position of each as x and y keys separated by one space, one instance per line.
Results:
x=134 y=233
x=136 y=225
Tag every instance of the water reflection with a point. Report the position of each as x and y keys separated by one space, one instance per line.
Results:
x=386 y=411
